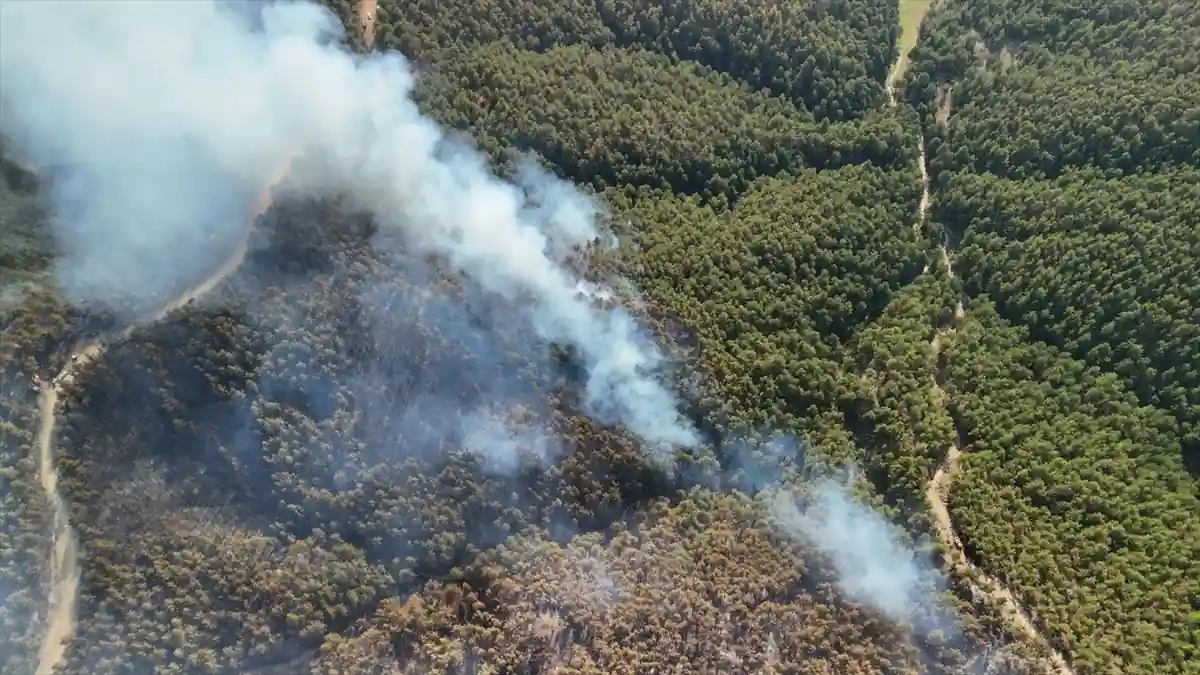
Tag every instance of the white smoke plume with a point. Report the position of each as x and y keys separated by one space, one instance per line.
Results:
x=161 y=121
x=874 y=566
x=502 y=448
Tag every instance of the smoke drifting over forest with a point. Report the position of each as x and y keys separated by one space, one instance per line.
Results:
x=161 y=122
x=873 y=566
x=170 y=117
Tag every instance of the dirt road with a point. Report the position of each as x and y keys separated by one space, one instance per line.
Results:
x=64 y=561
x=956 y=558
x=937 y=494
x=367 y=9
x=64 y=567
x=64 y=557
x=912 y=13
x=938 y=491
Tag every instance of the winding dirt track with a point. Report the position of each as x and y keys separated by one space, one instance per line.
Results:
x=64 y=567
x=938 y=490
x=367 y=9
x=64 y=560
x=64 y=554
x=955 y=557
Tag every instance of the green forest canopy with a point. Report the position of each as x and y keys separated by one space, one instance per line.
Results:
x=246 y=508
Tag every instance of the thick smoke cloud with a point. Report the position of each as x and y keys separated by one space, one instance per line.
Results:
x=162 y=121
x=874 y=566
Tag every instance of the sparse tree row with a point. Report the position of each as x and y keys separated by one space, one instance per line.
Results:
x=26 y=249
x=1064 y=141
x=25 y=523
x=890 y=379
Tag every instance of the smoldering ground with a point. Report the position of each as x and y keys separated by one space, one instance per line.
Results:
x=168 y=117
x=160 y=122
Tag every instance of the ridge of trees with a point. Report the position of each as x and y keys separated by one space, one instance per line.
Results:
x=1063 y=139
x=614 y=117
x=1076 y=494
x=1104 y=268
x=262 y=483
x=775 y=286
x=1032 y=115
x=828 y=58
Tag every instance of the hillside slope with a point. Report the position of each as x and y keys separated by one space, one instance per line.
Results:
x=954 y=282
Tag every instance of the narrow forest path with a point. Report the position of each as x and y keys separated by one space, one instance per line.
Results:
x=955 y=557
x=64 y=562
x=64 y=553
x=367 y=9
x=912 y=13
x=64 y=559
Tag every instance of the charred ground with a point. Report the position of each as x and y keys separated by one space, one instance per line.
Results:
x=276 y=479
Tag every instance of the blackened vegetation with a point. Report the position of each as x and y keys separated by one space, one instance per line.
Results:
x=35 y=324
x=288 y=475
x=320 y=400
x=254 y=475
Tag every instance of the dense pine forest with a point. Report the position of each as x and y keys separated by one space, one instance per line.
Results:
x=968 y=290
